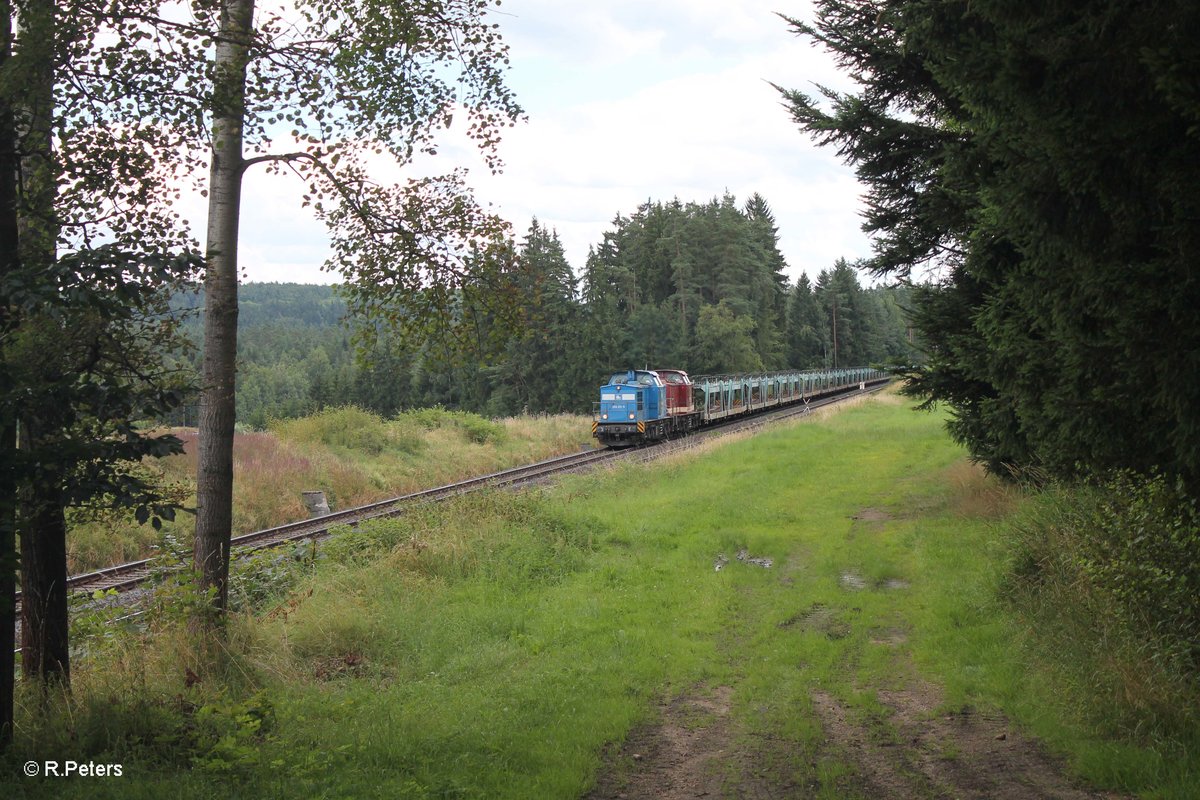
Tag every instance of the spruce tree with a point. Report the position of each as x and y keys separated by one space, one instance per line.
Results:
x=805 y=332
x=1040 y=162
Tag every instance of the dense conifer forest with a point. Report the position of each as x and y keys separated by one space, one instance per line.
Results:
x=696 y=286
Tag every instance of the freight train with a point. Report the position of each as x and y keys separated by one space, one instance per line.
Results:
x=641 y=405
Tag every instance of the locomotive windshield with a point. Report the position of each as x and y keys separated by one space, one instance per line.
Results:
x=640 y=378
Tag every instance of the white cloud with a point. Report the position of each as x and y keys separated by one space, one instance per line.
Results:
x=691 y=135
x=628 y=102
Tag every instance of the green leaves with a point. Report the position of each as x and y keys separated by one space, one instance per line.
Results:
x=1037 y=163
x=724 y=342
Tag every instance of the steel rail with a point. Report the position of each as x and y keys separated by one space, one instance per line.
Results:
x=123 y=577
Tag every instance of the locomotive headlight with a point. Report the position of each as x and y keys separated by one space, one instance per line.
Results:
x=604 y=416
x=631 y=416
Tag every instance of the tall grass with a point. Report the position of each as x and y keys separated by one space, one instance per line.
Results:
x=354 y=456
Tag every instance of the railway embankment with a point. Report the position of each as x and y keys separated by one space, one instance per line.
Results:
x=352 y=456
x=823 y=609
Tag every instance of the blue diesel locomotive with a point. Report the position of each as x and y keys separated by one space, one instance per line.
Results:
x=644 y=405
x=639 y=406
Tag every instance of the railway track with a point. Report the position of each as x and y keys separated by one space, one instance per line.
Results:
x=124 y=577
x=127 y=576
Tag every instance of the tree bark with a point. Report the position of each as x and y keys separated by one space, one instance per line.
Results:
x=45 y=650
x=9 y=262
x=8 y=549
x=45 y=646
x=214 y=478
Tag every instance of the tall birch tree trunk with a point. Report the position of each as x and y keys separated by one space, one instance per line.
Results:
x=214 y=479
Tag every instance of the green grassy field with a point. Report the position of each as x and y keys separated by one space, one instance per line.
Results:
x=499 y=647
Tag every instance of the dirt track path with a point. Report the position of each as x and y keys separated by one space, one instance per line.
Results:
x=912 y=752
x=839 y=729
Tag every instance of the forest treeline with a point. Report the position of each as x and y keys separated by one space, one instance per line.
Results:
x=694 y=286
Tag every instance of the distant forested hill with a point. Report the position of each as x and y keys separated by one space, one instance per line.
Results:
x=288 y=305
x=698 y=287
x=292 y=349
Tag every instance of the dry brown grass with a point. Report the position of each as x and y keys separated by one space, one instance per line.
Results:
x=977 y=494
x=271 y=483
x=891 y=396
x=271 y=469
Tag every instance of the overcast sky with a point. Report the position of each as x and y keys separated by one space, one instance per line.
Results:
x=628 y=101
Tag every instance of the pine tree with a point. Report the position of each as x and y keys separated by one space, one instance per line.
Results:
x=536 y=372
x=806 y=338
x=769 y=285
x=660 y=267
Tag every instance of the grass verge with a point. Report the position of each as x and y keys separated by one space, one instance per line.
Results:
x=354 y=456
x=498 y=646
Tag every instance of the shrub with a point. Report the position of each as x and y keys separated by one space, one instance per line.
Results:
x=1143 y=551
x=473 y=427
x=367 y=541
x=1135 y=541
x=1107 y=576
x=351 y=428
x=228 y=734
x=267 y=575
